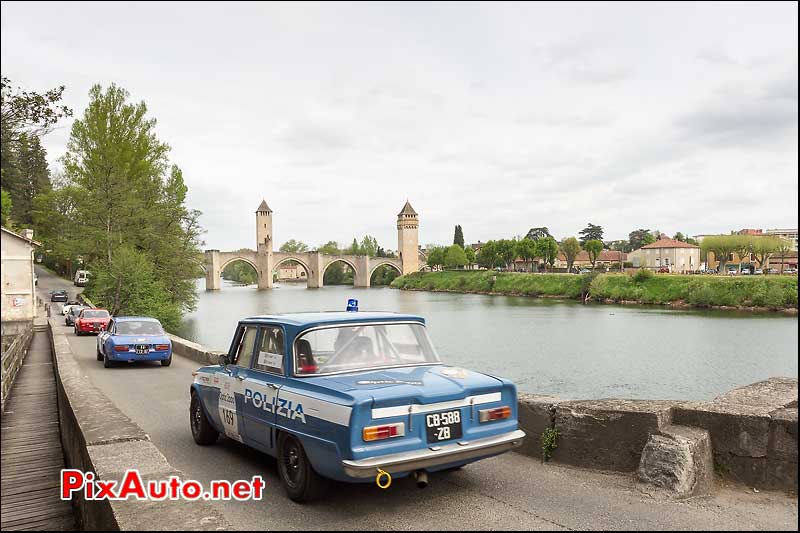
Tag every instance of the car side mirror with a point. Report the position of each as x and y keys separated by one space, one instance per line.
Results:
x=223 y=360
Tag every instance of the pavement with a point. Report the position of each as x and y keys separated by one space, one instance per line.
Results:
x=510 y=492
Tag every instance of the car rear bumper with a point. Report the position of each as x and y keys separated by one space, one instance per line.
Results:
x=131 y=357
x=433 y=456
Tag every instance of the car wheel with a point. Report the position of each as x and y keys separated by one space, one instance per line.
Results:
x=300 y=481
x=166 y=362
x=202 y=431
x=107 y=363
x=99 y=354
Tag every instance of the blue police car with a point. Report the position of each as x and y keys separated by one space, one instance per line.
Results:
x=128 y=339
x=350 y=396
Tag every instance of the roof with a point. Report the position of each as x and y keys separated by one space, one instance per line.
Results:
x=17 y=235
x=137 y=318
x=407 y=210
x=263 y=208
x=669 y=243
x=334 y=317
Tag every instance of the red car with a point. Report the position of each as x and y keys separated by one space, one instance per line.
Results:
x=92 y=320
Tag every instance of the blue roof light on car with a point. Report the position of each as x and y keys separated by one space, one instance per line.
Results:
x=352 y=304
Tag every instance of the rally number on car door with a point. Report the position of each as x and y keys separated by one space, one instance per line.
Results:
x=227 y=407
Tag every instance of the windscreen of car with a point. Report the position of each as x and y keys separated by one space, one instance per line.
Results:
x=76 y=310
x=362 y=347
x=139 y=327
x=93 y=313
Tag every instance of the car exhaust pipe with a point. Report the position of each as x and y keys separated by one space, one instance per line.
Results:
x=421 y=478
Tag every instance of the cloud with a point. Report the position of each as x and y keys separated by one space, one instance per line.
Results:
x=584 y=59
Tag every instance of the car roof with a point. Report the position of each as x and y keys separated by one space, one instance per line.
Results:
x=333 y=317
x=136 y=318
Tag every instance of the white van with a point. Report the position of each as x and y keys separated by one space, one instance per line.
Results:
x=81 y=277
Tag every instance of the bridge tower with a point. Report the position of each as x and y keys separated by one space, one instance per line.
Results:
x=408 y=238
x=264 y=245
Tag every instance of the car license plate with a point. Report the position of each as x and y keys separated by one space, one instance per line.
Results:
x=142 y=349
x=443 y=426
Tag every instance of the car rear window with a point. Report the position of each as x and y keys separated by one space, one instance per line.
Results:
x=94 y=313
x=139 y=327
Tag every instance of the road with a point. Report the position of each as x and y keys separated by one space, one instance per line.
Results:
x=509 y=492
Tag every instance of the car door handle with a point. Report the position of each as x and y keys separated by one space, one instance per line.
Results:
x=240 y=378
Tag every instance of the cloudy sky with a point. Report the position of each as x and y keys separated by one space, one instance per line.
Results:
x=498 y=117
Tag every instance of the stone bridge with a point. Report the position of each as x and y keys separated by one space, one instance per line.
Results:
x=264 y=261
x=314 y=263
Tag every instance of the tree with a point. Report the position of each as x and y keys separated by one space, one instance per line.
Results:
x=721 y=246
x=5 y=207
x=764 y=248
x=488 y=256
x=240 y=271
x=369 y=246
x=354 y=249
x=571 y=248
x=455 y=257
x=639 y=238
x=31 y=177
x=470 y=254
x=293 y=246
x=679 y=237
x=507 y=251
x=591 y=232
x=458 y=236
x=436 y=256
x=535 y=234
x=329 y=248
x=593 y=248
x=29 y=112
x=743 y=246
x=547 y=249
x=784 y=247
x=526 y=249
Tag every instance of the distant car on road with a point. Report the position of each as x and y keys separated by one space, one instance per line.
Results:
x=663 y=270
x=68 y=305
x=758 y=271
x=74 y=311
x=91 y=320
x=584 y=271
x=348 y=396
x=59 y=295
x=81 y=277
x=134 y=338
x=774 y=271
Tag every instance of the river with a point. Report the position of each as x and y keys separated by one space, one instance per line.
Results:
x=549 y=346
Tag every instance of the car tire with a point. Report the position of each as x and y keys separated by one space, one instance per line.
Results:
x=299 y=480
x=107 y=363
x=166 y=362
x=100 y=356
x=203 y=432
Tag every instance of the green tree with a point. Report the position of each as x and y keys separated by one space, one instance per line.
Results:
x=354 y=249
x=32 y=177
x=743 y=246
x=436 y=256
x=591 y=232
x=330 y=248
x=721 y=246
x=535 y=234
x=369 y=246
x=593 y=248
x=28 y=112
x=489 y=256
x=455 y=257
x=293 y=246
x=527 y=249
x=470 y=254
x=639 y=238
x=764 y=248
x=5 y=207
x=458 y=236
x=507 y=251
x=547 y=249
x=571 y=248
x=679 y=237
x=240 y=271
x=784 y=247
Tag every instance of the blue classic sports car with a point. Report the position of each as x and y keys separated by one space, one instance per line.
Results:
x=133 y=338
x=350 y=396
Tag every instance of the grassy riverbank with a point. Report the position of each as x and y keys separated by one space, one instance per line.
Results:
x=772 y=292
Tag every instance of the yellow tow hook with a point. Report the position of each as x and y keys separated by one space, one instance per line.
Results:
x=386 y=476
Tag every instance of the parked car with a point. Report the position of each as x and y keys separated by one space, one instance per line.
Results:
x=348 y=396
x=74 y=311
x=58 y=295
x=81 y=277
x=584 y=271
x=128 y=339
x=758 y=271
x=774 y=271
x=91 y=320
x=663 y=270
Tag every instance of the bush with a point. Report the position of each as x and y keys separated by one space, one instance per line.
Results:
x=642 y=275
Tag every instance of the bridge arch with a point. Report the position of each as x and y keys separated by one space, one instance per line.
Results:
x=385 y=263
x=296 y=260
x=239 y=258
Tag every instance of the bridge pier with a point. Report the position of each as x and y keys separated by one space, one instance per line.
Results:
x=315 y=270
x=264 y=261
x=212 y=270
x=362 y=273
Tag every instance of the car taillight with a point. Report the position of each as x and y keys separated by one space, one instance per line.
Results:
x=121 y=348
x=385 y=431
x=162 y=347
x=498 y=413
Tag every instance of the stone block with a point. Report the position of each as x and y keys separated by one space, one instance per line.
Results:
x=736 y=429
x=678 y=459
x=607 y=434
x=536 y=413
x=781 y=467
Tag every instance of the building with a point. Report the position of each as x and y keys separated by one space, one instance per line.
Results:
x=408 y=239
x=677 y=256
x=291 y=272
x=18 y=287
x=788 y=234
x=605 y=259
